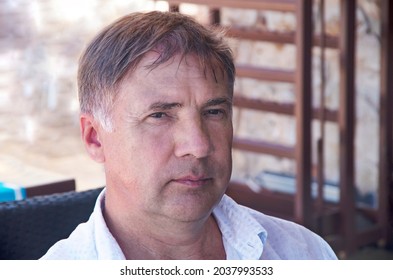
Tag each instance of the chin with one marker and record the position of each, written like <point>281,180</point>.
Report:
<point>195,210</point>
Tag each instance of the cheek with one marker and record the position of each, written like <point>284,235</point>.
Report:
<point>226,144</point>
<point>151,149</point>
<point>137,162</point>
<point>222,136</point>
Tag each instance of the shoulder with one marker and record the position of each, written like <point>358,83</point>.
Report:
<point>79,245</point>
<point>289,240</point>
<point>89,241</point>
<point>278,238</point>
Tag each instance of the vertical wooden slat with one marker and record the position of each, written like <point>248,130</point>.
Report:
<point>386,122</point>
<point>303,211</point>
<point>347,122</point>
<point>322,118</point>
<point>215,16</point>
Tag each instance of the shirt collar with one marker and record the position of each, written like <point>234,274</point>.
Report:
<point>107,247</point>
<point>243,236</point>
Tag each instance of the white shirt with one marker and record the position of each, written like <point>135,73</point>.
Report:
<point>247,234</point>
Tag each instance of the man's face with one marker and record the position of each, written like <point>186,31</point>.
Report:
<point>169,153</point>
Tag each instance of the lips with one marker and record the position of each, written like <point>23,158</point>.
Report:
<point>193,181</point>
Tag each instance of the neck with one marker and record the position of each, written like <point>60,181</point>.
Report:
<point>142,237</point>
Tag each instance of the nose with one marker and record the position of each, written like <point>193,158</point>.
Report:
<point>192,138</point>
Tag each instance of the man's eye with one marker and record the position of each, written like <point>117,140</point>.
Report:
<point>158,115</point>
<point>215,112</point>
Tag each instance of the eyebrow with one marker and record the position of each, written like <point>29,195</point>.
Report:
<point>219,101</point>
<point>165,106</point>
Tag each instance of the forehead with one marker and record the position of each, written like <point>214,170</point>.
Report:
<point>175,80</point>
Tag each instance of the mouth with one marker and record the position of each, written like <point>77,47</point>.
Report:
<point>193,181</point>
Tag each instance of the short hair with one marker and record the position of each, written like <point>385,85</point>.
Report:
<point>119,47</point>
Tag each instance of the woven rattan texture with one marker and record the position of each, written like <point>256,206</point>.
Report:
<point>28,228</point>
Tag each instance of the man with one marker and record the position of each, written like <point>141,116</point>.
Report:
<point>156,110</point>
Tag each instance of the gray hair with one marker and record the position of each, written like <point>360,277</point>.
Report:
<point>119,47</point>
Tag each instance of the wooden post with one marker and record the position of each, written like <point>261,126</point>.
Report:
<point>385,190</point>
<point>347,111</point>
<point>303,113</point>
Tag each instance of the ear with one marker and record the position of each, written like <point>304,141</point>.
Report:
<point>90,136</point>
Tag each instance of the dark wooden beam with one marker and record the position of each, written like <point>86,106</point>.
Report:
<point>303,207</point>
<point>284,108</point>
<point>276,5</point>
<point>250,33</point>
<point>265,74</point>
<point>347,110</point>
<point>263,147</point>
<point>385,190</point>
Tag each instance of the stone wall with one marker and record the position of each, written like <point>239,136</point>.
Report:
<point>40,42</point>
